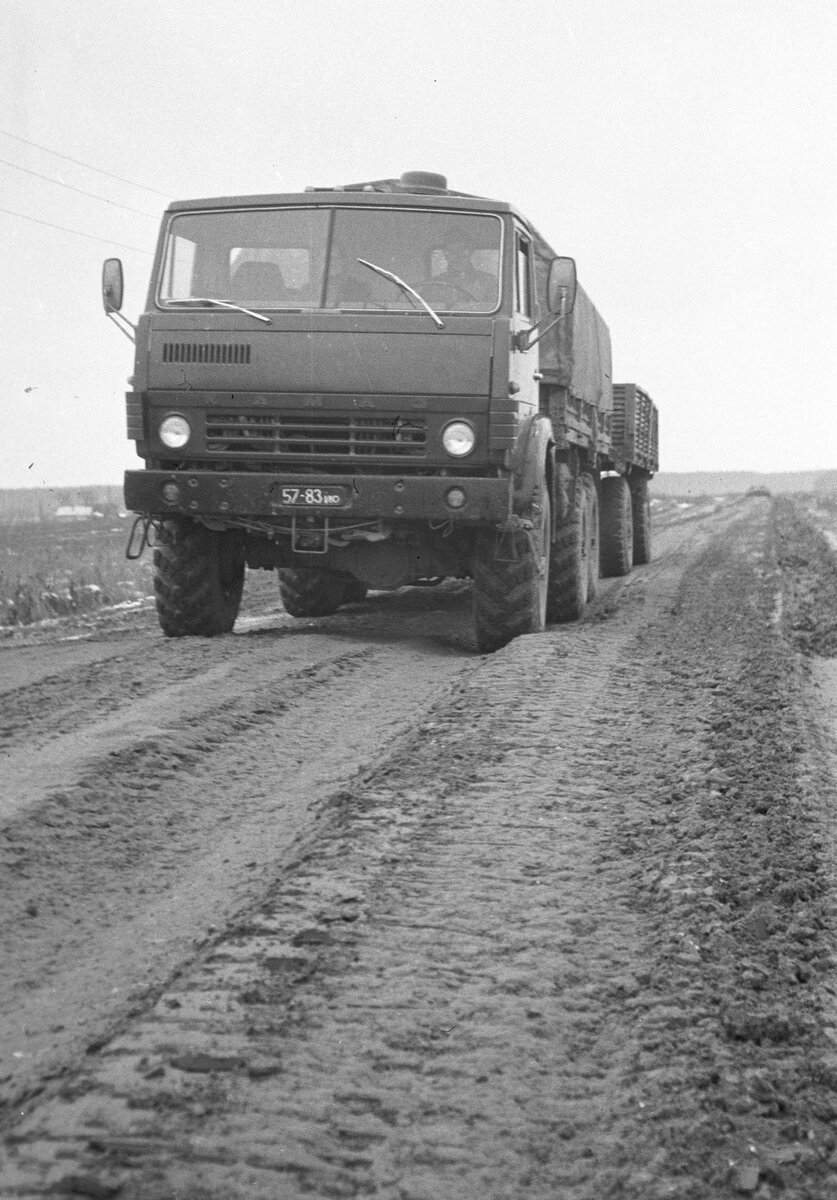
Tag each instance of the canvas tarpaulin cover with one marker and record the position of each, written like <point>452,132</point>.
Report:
<point>575,353</point>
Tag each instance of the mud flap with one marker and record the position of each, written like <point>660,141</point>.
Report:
<point>507,540</point>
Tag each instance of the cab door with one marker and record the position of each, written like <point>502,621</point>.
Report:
<point>524,373</point>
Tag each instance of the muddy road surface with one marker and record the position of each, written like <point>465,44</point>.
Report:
<point>339,908</point>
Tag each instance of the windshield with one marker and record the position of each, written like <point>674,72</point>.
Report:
<point>307,258</point>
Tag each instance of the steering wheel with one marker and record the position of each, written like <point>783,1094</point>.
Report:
<point>455,289</point>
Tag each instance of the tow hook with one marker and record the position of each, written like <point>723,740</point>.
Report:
<point>138,538</point>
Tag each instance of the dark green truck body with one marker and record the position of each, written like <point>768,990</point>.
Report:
<point>319,417</point>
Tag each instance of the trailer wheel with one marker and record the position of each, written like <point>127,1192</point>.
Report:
<point>308,593</point>
<point>198,579</point>
<point>569,563</point>
<point>641,504</point>
<point>511,578</point>
<point>617,534</point>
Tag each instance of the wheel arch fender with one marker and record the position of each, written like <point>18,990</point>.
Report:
<point>536,453</point>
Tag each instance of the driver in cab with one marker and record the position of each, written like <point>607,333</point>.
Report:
<point>461,285</point>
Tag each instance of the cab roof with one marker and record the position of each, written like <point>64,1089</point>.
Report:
<point>422,188</point>
<point>433,190</point>
<point>346,196</point>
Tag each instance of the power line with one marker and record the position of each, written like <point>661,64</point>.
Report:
<point>92,237</point>
<point>79,163</point>
<point>81,191</point>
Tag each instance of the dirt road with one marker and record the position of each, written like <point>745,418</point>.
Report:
<point>339,908</point>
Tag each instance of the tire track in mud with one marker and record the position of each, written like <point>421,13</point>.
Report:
<point>209,699</point>
<point>570,938</point>
<point>93,684</point>
<point>172,814</point>
<point>454,991</point>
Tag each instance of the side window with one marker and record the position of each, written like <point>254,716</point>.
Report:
<point>522,277</point>
<point>179,273</point>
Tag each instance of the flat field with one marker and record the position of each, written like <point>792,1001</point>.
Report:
<point>51,568</point>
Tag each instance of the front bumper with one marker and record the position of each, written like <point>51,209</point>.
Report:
<point>369,497</point>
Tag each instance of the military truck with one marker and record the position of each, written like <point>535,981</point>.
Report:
<point>375,385</point>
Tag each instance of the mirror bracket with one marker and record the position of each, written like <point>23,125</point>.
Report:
<point>561,291</point>
<point>525,339</point>
<point>122,324</point>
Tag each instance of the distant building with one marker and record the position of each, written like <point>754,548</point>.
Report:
<point>74,512</point>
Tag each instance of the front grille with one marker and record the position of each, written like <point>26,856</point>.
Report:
<point>307,436</point>
<point>206,352</point>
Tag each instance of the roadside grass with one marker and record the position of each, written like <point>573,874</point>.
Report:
<point>51,568</point>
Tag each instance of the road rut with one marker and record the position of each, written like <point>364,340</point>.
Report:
<point>554,922</point>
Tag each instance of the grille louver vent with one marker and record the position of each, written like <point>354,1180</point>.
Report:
<point>206,352</point>
<point>306,436</point>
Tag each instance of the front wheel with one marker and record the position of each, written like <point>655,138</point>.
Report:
<point>198,579</point>
<point>511,576</point>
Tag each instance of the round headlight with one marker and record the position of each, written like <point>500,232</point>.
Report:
<point>175,431</point>
<point>459,438</point>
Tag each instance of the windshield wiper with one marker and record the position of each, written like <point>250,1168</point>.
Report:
<point>405,287</point>
<point>221,304</point>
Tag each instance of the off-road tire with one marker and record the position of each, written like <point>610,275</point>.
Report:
<point>198,579</point>
<point>511,579</point>
<point>355,592</point>
<point>593,529</point>
<point>308,593</point>
<point>641,504</point>
<point>569,574</point>
<point>616,526</point>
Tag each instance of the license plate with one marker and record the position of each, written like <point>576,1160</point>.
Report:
<point>315,496</point>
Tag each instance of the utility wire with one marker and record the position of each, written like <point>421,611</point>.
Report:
<point>81,191</point>
<point>77,232</point>
<point>79,163</point>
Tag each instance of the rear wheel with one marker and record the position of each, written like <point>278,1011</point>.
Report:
<point>641,504</point>
<point>593,567</point>
<point>198,579</point>
<point>511,576</point>
<point>617,535</point>
<point>310,593</point>
<point>569,564</point>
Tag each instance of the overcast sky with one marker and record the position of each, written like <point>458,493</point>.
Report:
<point>683,151</point>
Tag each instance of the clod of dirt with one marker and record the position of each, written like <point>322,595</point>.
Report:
<point>745,1178</point>
<point>204,1063</point>
<point>743,1024</point>
<point>263,1068</point>
<point>311,937</point>
<point>86,1185</point>
<point>279,964</point>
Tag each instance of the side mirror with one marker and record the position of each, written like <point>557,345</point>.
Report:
<point>113,285</point>
<point>561,285</point>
